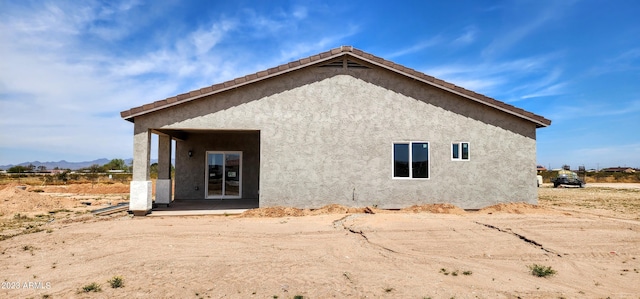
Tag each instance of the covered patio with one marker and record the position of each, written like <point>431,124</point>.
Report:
<point>216,172</point>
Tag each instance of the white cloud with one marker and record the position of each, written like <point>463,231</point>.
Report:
<point>529,64</point>
<point>300,12</point>
<point>591,110</point>
<point>468,37</point>
<point>63,93</point>
<point>114,20</point>
<point>205,40</point>
<point>532,21</point>
<point>415,48</point>
<point>275,23</point>
<point>299,49</point>
<point>186,57</point>
<point>628,60</point>
<point>551,90</point>
<point>510,80</point>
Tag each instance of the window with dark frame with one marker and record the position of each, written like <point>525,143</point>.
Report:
<point>411,160</point>
<point>460,151</point>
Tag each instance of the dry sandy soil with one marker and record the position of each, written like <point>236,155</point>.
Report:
<point>590,236</point>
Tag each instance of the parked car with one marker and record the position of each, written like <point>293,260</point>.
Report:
<point>567,177</point>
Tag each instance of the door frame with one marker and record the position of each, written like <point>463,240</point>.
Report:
<point>224,160</point>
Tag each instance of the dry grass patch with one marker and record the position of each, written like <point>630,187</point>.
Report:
<point>625,203</point>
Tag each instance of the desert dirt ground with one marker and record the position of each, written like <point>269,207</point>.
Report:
<point>51,247</point>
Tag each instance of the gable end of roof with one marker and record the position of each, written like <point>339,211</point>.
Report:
<point>326,56</point>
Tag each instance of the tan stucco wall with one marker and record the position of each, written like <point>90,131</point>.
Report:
<point>326,136</point>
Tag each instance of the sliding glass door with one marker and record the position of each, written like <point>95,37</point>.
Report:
<point>224,175</point>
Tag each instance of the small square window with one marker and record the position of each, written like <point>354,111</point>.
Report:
<point>411,160</point>
<point>460,151</point>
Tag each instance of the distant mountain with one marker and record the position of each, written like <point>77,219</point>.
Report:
<point>65,165</point>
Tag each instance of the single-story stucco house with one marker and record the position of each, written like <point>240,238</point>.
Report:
<point>343,127</point>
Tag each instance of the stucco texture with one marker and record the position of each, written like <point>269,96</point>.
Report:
<point>326,136</point>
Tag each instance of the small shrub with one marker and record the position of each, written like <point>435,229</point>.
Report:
<point>467,273</point>
<point>116,282</point>
<point>298,297</point>
<point>541,271</point>
<point>92,287</point>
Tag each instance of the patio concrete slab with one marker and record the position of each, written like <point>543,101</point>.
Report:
<point>196,212</point>
<point>205,207</point>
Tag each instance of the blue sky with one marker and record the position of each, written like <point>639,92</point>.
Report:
<point>69,67</point>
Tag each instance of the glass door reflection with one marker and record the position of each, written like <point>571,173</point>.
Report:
<point>224,171</point>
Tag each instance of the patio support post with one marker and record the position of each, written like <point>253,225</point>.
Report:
<point>163,184</point>
<point>140,201</point>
